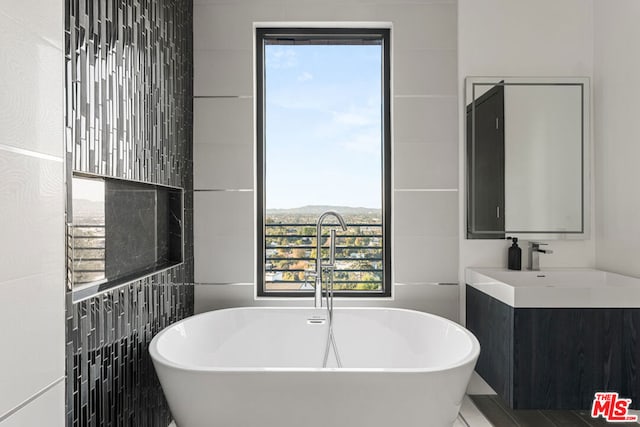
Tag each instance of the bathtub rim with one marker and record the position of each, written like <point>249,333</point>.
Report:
<point>471,356</point>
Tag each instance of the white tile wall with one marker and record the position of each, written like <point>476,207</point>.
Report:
<point>523,38</point>
<point>235,220</point>
<point>33,357</point>
<point>422,24</point>
<point>30,87</point>
<point>430,119</point>
<point>223,72</point>
<point>230,25</point>
<point>616,139</point>
<point>425,213</point>
<point>425,128</point>
<point>425,165</point>
<point>219,166</point>
<point>425,233</point>
<point>45,410</point>
<point>230,259</point>
<point>426,297</point>
<point>420,259</point>
<point>39,17</point>
<point>32,216</point>
<point>32,264</point>
<point>223,143</point>
<point>425,71</point>
<point>328,11</point>
<point>223,121</point>
<point>224,237</point>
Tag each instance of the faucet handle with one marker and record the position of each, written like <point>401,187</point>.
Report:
<point>309,276</point>
<point>535,247</point>
<point>533,244</point>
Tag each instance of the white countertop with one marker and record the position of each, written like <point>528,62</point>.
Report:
<point>556,288</point>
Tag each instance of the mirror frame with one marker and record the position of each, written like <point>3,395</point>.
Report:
<point>587,157</point>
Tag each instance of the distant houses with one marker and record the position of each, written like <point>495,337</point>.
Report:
<point>271,276</point>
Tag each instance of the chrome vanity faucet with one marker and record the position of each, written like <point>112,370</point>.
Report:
<point>332,253</point>
<point>534,255</point>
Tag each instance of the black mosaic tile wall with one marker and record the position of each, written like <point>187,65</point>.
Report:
<point>110,377</point>
<point>129,115</point>
<point>129,83</point>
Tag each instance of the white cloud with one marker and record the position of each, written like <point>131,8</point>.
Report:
<point>304,77</point>
<point>352,118</point>
<point>280,57</point>
<point>357,116</point>
<point>369,143</point>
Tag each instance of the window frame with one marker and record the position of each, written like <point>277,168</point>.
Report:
<point>271,33</point>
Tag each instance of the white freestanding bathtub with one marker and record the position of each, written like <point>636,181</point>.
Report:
<point>262,367</point>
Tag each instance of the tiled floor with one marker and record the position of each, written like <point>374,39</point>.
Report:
<point>499,415</point>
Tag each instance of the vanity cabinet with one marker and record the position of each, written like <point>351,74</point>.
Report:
<point>555,358</point>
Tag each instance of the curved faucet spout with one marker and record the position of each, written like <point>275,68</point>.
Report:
<point>319,265</point>
<point>333,214</point>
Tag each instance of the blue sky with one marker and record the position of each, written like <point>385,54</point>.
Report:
<point>323,126</point>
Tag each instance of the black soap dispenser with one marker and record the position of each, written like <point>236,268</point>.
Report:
<point>515,255</point>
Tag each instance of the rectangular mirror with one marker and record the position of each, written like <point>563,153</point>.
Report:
<point>526,148</point>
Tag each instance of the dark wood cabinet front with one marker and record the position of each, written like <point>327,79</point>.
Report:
<point>555,358</point>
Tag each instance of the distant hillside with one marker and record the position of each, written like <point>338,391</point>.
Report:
<point>84,209</point>
<point>318,209</point>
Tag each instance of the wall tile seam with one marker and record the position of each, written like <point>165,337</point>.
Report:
<point>426,190</point>
<point>396,95</point>
<point>421,96</point>
<point>236,143</point>
<point>30,153</point>
<point>223,96</point>
<point>395,49</point>
<point>60,274</point>
<point>425,142</point>
<point>426,49</point>
<point>397,189</point>
<point>235,50</point>
<point>220,97</point>
<point>336,2</point>
<point>416,47</point>
<point>223,190</point>
<point>31,399</point>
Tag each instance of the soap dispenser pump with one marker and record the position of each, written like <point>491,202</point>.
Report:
<point>515,255</point>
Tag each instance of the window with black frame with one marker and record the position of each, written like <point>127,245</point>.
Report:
<point>323,143</point>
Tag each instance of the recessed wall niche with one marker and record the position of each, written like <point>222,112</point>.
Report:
<point>121,230</point>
